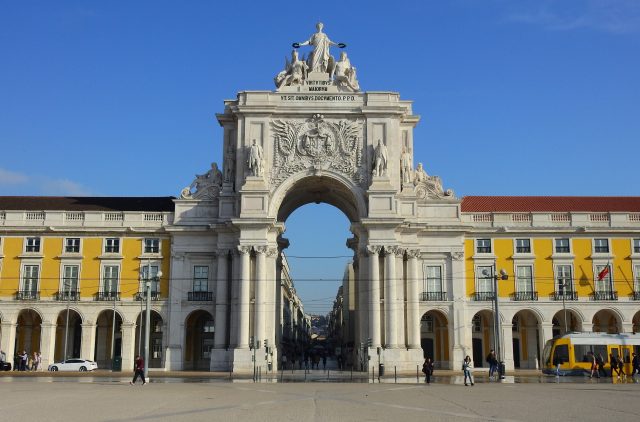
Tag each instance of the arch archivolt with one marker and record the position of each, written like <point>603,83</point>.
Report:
<point>613,310</point>
<point>487,310</point>
<point>314,185</point>
<point>539,315</point>
<point>442,310</point>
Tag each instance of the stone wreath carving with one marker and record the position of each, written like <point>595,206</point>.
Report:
<point>317,144</point>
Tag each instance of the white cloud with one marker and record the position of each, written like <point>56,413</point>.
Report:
<point>8,177</point>
<point>613,16</point>
<point>62,187</point>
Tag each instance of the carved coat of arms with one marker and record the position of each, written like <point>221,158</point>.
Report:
<point>317,144</point>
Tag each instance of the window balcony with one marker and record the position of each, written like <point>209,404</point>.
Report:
<point>564,296</point>
<point>103,296</point>
<point>636,295</point>
<point>27,295</point>
<point>155,295</point>
<point>433,296</point>
<point>68,295</point>
<point>200,296</point>
<point>523,296</point>
<point>483,296</point>
<point>605,295</point>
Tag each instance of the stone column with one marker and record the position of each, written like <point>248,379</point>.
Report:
<point>271,304</point>
<point>87,345</point>
<point>222,283</point>
<point>129,345</point>
<point>179,282</point>
<point>413,304</point>
<point>242,306</point>
<point>390,298</point>
<point>363,312</point>
<point>546,334</point>
<point>8,342</point>
<point>507,344</point>
<point>47,343</point>
<point>460,335</point>
<point>374,294</point>
<point>401,338</point>
<point>260,295</point>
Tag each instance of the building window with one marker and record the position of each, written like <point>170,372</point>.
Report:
<point>434,279</point>
<point>483,246</point>
<point>562,246</point>
<point>150,272</point>
<point>636,245</point>
<point>563,278</point>
<point>112,245</point>
<point>110,280</point>
<point>427,323</point>
<point>32,245</point>
<point>603,278</point>
<point>70,278</point>
<point>151,245</point>
<point>636,280</point>
<point>30,278</point>
<point>524,278</point>
<point>72,245</point>
<point>476,323</point>
<point>485,279</point>
<point>200,278</point>
<point>523,245</point>
<point>601,245</point>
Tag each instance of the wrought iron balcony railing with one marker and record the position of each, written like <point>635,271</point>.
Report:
<point>27,295</point>
<point>143,295</point>
<point>518,296</point>
<point>433,296</point>
<point>605,295</point>
<point>483,296</point>
<point>564,296</point>
<point>101,296</point>
<point>68,295</point>
<point>200,296</point>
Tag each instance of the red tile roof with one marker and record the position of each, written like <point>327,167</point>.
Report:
<point>86,203</point>
<point>551,203</point>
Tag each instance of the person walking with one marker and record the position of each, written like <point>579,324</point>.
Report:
<point>621,367</point>
<point>324,362</point>
<point>34,361</point>
<point>492,360</point>
<point>284,361</point>
<point>614,365</point>
<point>138,371</point>
<point>600,362</point>
<point>594,366</point>
<point>635,365</point>
<point>24,357</point>
<point>427,370</point>
<point>466,369</point>
<point>557,361</point>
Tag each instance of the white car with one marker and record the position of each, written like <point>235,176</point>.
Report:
<point>81,365</point>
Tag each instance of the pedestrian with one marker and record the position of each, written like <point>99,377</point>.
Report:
<point>427,370</point>
<point>594,365</point>
<point>614,365</point>
<point>138,370</point>
<point>24,357</point>
<point>621,367</point>
<point>284,361</point>
<point>492,360</point>
<point>635,365</point>
<point>466,369</point>
<point>324,362</point>
<point>39,361</point>
<point>557,361</point>
<point>34,361</point>
<point>600,362</point>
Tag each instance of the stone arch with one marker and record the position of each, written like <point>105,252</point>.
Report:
<point>318,186</point>
<point>29,330</point>
<point>608,320</point>
<point>636,322</point>
<point>72,337</point>
<point>106,335</point>
<point>434,336</point>
<point>525,334</point>
<point>575,322</point>
<point>156,337</point>
<point>482,335</point>
<point>199,337</point>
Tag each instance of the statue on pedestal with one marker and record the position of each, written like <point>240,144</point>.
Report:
<point>207,185</point>
<point>254,161</point>
<point>380,158</point>
<point>320,60</point>
<point>294,73</point>
<point>345,74</point>
<point>406,167</point>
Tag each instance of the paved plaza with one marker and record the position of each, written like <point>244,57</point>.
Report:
<point>113,399</point>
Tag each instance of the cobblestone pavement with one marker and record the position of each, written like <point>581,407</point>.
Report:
<point>115,400</point>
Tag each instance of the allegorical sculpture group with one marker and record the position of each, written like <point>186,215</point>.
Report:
<point>320,61</point>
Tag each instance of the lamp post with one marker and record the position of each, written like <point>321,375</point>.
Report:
<point>148,281</point>
<point>503,276</point>
<point>562,287</point>
<point>66,329</point>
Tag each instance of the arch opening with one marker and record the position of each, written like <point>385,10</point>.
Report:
<point>108,343</point>
<point>28,333</point>
<point>434,337</point>
<point>199,337</point>
<point>72,337</point>
<point>156,331</point>
<point>525,328</point>
<point>606,321</point>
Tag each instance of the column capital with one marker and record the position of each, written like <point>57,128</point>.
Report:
<point>272,251</point>
<point>372,249</point>
<point>457,255</point>
<point>390,250</point>
<point>261,249</point>
<point>243,250</point>
<point>413,253</point>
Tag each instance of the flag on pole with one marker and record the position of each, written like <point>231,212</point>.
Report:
<point>602,274</point>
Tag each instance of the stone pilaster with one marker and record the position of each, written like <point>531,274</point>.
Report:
<point>47,343</point>
<point>413,304</point>
<point>88,341</point>
<point>8,340</point>
<point>260,288</point>
<point>222,284</point>
<point>242,305</point>
<point>374,294</point>
<point>460,336</point>
<point>401,338</point>
<point>129,345</point>
<point>390,298</point>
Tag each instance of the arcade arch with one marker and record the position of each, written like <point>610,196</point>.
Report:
<point>73,336</point>
<point>28,331</point>
<point>108,344</point>
<point>156,335</point>
<point>199,340</point>
<point>525,327</point>
<point>434,337</point>
<point>607,321</point>
<point>573,322</point>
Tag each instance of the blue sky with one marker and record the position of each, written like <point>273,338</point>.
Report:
<point>516,97</point>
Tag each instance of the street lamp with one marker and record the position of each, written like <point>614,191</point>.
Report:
<point>148,281</point>
<point>496,320</point>
<point>67,286</point>
<point>562,285</point>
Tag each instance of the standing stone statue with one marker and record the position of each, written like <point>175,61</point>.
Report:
<point>380,158</point>
<point>320,60</point>
<point>406,166</point>
<point>255,159</point>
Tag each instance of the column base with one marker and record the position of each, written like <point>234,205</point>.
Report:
<point>173,358</point>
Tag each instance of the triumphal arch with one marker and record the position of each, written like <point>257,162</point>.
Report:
<point>316,138</point>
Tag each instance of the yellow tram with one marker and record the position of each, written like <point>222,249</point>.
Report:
<point>574,349</point>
